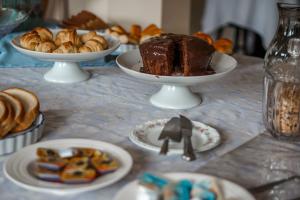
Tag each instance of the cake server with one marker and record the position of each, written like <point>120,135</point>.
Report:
<point>171,131</point>
<point>186,131</point>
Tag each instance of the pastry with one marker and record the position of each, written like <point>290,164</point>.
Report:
<point>87,36</point>
<point>223,45</point>
<point>44,33</point>
<point>118,29</point>
<point>101,39</point>
<point>94,45</point>
<point>104,164</point>
<point>51,163</point>
<point>66,47</point>
<point>85,20</point>
<point>150,31</point>
<point>78,176</point>
<point>176,54</point>
<point>67,35</point>
<point>30,104</point>
<point>204,37</point>
<point>46,174</point>
<point>135,31</point>
<point>84,49</point>
<point>30,40</point>
<point>46,46</point>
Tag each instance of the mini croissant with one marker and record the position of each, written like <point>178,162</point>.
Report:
<point>30,40</point>
<point>67,35</point>
<point>44,33</point>
<point>66,47</point>
<point>46,46</point>
<point>94,45</point>
<point>84,49</point>
<point>85,37</point>
<point>102,40</point>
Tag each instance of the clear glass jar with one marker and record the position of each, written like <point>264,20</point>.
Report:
<point>281,100</point>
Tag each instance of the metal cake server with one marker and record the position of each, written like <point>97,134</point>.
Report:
<point>186,131</point>
<point>170,131</point>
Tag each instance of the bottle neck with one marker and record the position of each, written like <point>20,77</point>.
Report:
<point>289,21</point>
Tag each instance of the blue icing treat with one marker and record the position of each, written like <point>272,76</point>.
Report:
<point>201,190</point>
<point>183,189</point>
<point>156,180</point>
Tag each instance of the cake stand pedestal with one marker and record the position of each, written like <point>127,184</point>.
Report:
<point>66,72</point>
<point>175,92</point>
<point>175,97</point>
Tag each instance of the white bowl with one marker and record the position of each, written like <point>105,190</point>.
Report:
<point>16,141</point>
<point>175,93</point>
<point>66,68</point>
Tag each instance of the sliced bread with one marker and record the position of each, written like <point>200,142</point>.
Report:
<point>30,104</point>
<point>3,110</point>
<point>16,104</point>
<point>7,124</point>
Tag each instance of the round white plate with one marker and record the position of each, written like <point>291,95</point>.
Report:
<point>231,190</point>
<point>175,93</point>
<point>16,167</point>
<point>146,136</point>
<point>66,68</point>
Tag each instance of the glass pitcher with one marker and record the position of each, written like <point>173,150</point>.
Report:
<point>281,100</point>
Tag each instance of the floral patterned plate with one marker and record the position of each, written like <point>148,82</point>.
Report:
<point>146,136</point>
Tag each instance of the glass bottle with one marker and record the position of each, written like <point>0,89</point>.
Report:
<point>281,100</point>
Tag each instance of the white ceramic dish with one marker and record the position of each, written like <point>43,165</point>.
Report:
<point>231,190</point>
<point>14,142</point>
<point>66,68</point>
<point>146,136</point>
<point>16,167</point>
<point>175,93</point>
<point>126,47</point>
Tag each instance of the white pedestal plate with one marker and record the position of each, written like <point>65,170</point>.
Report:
<point>175,92</point>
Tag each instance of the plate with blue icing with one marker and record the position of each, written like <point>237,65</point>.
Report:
<point>228,189</point>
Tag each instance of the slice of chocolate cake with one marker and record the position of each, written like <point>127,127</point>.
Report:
<point>195,55</point>
<point>173,54</point>
<point>158,56</point>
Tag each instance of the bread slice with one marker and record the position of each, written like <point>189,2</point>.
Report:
<point>3,110</point>
<point>16,104</point>
<point>7,124</point>
<point>30,104</point>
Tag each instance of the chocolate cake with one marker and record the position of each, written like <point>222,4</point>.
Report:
<point>172,54</point>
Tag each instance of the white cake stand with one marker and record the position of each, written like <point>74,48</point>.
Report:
<point>66,66</point>
<point>175,93</point>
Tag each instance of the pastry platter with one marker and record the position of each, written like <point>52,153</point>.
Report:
<point>66,67</point>
<point>175,92</point>
<point>17,167</point>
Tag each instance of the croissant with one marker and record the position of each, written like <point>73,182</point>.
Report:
<point>223,45</point>
<point>46,46</point>
<point>84,49</point>
<point>102,40</point>
<point>204,37</point>
<point>30,40</point>
<point>67,35</point>
<point>85,37</point>
<point>119,29</point>
<point>66,47</point>
<point>135,31</point>
<point>94,45</point>
<point>44,33</point>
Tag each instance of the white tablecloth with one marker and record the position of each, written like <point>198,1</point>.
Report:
<point>111,104</point>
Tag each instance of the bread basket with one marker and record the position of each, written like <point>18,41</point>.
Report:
<point>16,141</point>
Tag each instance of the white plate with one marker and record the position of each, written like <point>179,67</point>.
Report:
<point>66,68</point>
<point>146,136</point>
<point>16,167</point>
<point>174,93</point>
<point>231,190</point>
